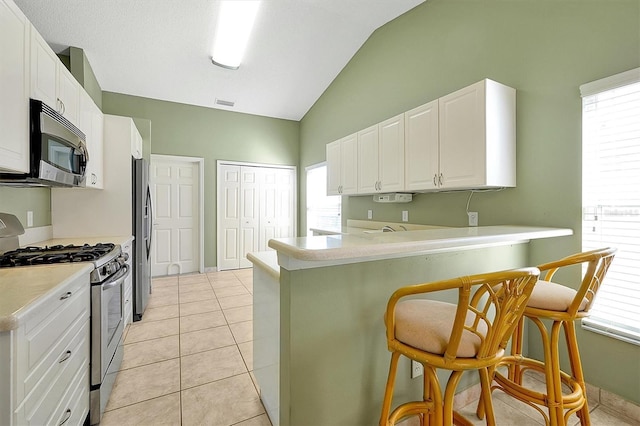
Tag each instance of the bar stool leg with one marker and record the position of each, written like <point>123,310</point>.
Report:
<point>552,372</point>
<point>576,369</point>
<point>388,393</point>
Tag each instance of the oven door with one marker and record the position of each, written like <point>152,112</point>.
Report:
<point>107,322</point>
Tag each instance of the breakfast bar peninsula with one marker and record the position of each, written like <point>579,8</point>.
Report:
<point>320,355</point>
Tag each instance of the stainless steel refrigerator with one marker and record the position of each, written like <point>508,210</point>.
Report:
<point>142,231</point>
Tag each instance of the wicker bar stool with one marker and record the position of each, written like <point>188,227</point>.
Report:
<point>469,335</point>
<point>562,305</point>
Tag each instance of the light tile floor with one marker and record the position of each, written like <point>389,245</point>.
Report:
<point>190,362</point>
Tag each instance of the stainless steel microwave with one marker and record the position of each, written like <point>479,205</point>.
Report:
<point>57,151</point>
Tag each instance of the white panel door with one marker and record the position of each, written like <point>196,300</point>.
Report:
<point>228,217</point>
<point>285,220</point>
<point>175,191</point>
<point>268,207</point>
<point>255,204</point>
<point>249,213</point>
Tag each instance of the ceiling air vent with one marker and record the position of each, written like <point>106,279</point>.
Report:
<point>224,103</point>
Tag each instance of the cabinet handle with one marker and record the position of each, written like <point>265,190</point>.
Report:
<point>65,296</point>
<point>61,108</point>
<point>440,179</point>
<point>435,182</point>
<point>64,357</point>
<point>66,417</point>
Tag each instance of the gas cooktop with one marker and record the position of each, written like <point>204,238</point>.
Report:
<point>56,254</point>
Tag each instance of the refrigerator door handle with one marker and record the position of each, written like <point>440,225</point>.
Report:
<point>149,223</point>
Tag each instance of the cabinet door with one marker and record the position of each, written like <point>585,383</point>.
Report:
<point>391,154</point>
<point>462,138</point>
<point>14,86</point>
<point>349,164</point>
<point>97,136</point>
<point>333,168</point>
<point>44,68</point>
<point>68,94</point>
<point>91,123</point>
<point>421,147</point>
<point>368,159</point>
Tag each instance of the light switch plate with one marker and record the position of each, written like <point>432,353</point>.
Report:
<point>29,219</point>
<point>405,215</point>
<point>369,214</point>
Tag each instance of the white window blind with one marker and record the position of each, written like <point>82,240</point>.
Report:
<point>611,198</point>
<point>323,211</point>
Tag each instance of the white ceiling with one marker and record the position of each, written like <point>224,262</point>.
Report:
<point>161,48</point>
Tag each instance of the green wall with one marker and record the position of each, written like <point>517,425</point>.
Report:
<point>544,49</point>
<point>18,201</point>
<point>192,131</point>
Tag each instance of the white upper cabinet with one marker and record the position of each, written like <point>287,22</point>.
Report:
<point>92,124</point>
<point>391,145</point>
<point>51,81</point>
<point>381,157</point>
<point>421,147</point>
<point>477,137</point>
<point>368,159</point>
<point>14,87</point>
<point>136,143</point>
<point>464,140</point>
<point>342,166</point>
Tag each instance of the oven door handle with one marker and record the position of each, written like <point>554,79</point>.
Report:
<point>116,279</point>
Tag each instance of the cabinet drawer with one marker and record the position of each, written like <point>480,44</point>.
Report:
<point>42,334</point>
<point>73,343</point>
<point>52,395</point>
<point>74,409</point>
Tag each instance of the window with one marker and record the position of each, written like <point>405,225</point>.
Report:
<point>611,198</point>
<point>323,211</point>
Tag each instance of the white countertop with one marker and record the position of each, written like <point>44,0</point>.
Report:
<point>312,252</point>
<point>23,286</point>
<point>267,260</point>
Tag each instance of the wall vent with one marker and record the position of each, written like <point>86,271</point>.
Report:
<point>224,103</point>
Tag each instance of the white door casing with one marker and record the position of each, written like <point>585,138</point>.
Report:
<point>177,195</point>
<point>255,203</point>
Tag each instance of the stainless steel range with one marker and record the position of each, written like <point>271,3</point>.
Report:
<point>107,304</point>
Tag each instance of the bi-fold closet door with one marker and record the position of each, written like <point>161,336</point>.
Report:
<point>255,204</point>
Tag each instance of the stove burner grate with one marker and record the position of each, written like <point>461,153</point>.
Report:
<point>54,254</point>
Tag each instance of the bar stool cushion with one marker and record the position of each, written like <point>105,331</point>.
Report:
<point>427,324</point>
<point>553,297</point>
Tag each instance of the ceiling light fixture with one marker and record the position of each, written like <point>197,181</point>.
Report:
<point>235,22</point>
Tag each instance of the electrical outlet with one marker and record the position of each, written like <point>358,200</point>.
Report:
<point>405,215</point>
<point>473,218</point>
<point>369,214</point>
<point>417,369</point>
<point>29,219</point>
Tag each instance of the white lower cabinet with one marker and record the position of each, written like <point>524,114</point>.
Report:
<point>44,368</point>
<point>128,284</point>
